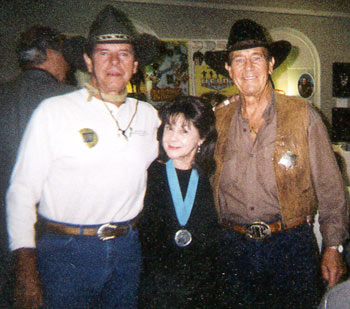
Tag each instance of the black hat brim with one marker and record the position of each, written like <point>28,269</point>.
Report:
<point>217,59</point>
<point>146,47</point>
<point>280,51</point>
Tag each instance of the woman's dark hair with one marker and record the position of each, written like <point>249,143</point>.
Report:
<point>202,117</point>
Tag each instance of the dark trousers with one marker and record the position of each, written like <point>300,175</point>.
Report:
<point>279,272</point>
<point>85,272</point>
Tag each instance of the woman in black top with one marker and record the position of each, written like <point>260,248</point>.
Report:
<point>181,247</point>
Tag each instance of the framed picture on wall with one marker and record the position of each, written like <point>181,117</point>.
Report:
<point>306,85</point>
<point>341,80</point>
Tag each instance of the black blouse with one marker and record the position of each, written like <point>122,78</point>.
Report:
<point>171,274</point>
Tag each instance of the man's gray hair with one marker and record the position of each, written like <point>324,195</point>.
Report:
<point>33,43</point>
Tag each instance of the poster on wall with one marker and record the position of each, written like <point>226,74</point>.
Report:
<point>168,75</point>
<point>205,79</point>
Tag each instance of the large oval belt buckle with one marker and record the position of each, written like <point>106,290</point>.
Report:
<point>258,230</point>
<point>106,231</point>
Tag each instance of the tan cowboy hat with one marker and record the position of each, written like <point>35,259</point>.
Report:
<point>246,34</point>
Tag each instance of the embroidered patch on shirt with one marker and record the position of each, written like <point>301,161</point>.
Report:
<point>89,137</point>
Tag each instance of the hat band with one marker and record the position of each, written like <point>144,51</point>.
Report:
<point>112,37</point>
<point>247,44</point>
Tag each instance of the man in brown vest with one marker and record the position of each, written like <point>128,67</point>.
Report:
<point>275,165</point>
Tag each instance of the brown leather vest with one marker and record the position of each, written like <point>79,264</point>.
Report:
<point>296,195</point>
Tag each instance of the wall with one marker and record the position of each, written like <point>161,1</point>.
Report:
<point>186,19</point>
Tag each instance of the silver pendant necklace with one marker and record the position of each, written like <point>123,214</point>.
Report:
<point>123,131</point>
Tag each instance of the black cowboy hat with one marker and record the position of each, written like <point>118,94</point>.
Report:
<point>246,34</point>
<point>112,26</point>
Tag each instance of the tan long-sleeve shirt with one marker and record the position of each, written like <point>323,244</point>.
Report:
<point>248,190</point>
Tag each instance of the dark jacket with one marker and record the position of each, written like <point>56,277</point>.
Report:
<point>18,99</point>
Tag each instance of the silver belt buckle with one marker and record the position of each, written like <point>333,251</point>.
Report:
<point>258,230</point>
<point>106,231</point>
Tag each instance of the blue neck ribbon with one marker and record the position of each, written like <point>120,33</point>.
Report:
<point>182,208</point>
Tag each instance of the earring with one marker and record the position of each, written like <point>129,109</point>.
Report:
<point>199,149</point>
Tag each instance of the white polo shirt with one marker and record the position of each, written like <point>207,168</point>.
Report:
<point>75,163</point>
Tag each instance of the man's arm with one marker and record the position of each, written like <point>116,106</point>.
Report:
<point>30,171</point>
<point>28,291</point>
<point>330,191</point>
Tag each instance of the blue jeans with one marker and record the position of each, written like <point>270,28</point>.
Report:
<point>85,272</point>
<point>279,272</point>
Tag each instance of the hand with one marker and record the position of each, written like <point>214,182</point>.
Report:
<point>332,266</point>
<point>28,291</point>
<point>234,98</point>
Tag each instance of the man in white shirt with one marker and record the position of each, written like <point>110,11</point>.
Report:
<point>83,161</point>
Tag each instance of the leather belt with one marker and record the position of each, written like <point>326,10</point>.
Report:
<point>259,230</point>
<point>103,232</point>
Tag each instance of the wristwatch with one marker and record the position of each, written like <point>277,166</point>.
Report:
<point>339,248</point>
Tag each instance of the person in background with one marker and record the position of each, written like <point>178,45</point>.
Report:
<point>39,54</point>
<point>83,160</point>
<point>275,164</point>
<point>179,229</point>
<point>73,52</point>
